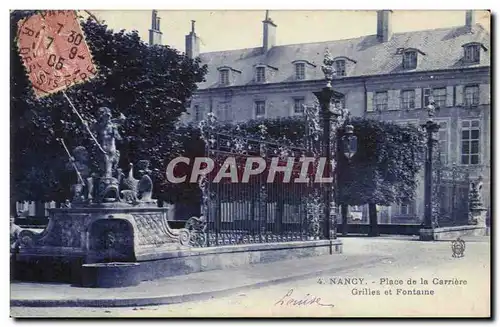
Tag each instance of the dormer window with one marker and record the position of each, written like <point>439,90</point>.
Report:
<point>260,74</point>
<point>410,59</point>
<point>300,71</point>
<point>227,75</point>
<point>340,67</point>
<point>224,76</point>
<point>472,53</point>
<point>303,69</point>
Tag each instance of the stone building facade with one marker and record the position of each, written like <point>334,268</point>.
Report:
<point>387,76</point>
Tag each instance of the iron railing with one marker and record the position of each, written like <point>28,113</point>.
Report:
<point>260,210</point>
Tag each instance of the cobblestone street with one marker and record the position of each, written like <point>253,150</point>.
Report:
<point>357,292</point>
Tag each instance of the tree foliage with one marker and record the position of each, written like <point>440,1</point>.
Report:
<point>386,166</point>
<point>150,85</point>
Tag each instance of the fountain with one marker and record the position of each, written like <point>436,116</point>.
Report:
<point>111,225</point>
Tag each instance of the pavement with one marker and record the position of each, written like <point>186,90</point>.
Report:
<point>359,254</point>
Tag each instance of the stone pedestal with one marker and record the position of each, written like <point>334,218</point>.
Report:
<point>477,217</point>
<point>114,232</point>
<point>451,233</point>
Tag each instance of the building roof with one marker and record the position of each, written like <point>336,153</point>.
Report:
<point>438,49</point>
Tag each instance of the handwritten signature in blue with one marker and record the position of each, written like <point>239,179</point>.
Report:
<point>306,300</point>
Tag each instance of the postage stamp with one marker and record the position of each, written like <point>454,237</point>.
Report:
<point>274,163</point>
<point>54,51</point>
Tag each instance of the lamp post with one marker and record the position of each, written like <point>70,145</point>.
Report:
<point>349,148</point>
<point>430,127</point>
<point>325,97</point>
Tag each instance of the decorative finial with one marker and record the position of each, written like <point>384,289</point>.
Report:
<point>432,107</point>
<point>328,68</point>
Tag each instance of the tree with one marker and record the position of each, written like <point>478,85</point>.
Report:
<point>385,169</point>
<point>150,85</point>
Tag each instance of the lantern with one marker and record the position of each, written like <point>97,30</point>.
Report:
<point>349,142</point>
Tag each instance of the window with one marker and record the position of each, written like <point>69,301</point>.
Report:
<point>260,109</point>
<point>197,113</point>
<point>471,95</point>
<point>298,106</point>
<point>404,209</point>
<point>439,96</point>
<point>408,99</point>
<point>407,208</point>
<point>261,74</point>
<point>410,122</point>
<point>340,67</point>
<point>338,103</point>
<point>224,76</point>
<point>224,111</point>
<point>442,138</point>
<point>470,142</point>
<point>410,60</point>
<point>300,71</point>
<point>381,99</point>
<point>426,95</point>
<point>472,53</point>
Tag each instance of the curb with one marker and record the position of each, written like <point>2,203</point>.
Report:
<point>174,299</point>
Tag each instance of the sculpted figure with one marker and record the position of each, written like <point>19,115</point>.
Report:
<point>15,230</point>
<point>145,185</point>
<point>79,162</point>
<point>107,135</point>
<point>128,186</point>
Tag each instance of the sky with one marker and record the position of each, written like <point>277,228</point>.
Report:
<point>235,29</point>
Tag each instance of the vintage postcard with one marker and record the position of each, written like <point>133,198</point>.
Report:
<point>259,163</point>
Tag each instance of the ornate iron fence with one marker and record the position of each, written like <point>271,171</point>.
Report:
<point>451,185</point>
<point>257,211</point>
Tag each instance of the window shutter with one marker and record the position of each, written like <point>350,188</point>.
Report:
<point>394,99</point>
<point>484,94</point>
<point>369,101</point>
<point>459,95</point>
<point>449,96</point>
<point>418,98</point>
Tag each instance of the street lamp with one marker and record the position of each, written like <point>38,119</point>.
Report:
<point>331,115</point>
<point>430,127</point>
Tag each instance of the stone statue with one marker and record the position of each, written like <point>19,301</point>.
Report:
<point>476,207</point>
<point>82,190</point>
<point>128,187</point>
<point>15,230</point>
<point>432,108</point>
<point>475,200</point>
<point>145,186</point>
<point>107,135</point>
<point>66,204</point>
<point>129,182</point>
<point>197,231</point>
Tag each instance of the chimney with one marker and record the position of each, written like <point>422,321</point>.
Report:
<point>192,43</point>
<point>384,26</point>
<point>269,36</point>
<point>154,31</point>
<point>469,20</point>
